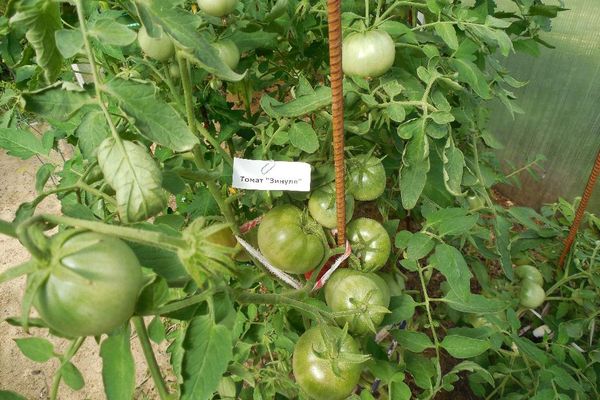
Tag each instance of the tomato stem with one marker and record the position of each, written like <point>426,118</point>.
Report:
<point>159,383</point>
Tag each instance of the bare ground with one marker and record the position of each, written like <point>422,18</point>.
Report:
<point>18,373</point>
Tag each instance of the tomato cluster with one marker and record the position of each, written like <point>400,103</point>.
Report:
<point>531,293</point>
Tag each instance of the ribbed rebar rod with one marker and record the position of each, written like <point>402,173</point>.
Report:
<point>337,110</point>
<point>587,193</point>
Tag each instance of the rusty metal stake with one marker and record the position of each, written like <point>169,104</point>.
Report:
<point>337,110</point>
<point>587,193</point>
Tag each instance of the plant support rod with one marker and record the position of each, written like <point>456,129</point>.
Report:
<point>585,198</point>
<point>337,110</point>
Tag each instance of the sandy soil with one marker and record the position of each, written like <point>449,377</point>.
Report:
<point>18,373</point>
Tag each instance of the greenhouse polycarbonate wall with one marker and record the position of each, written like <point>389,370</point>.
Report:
<point>562,110</point>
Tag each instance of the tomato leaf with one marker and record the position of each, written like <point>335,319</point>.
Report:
<point>42,19</point>
<point>42,175</point>
<point>464,347</point>
<point>155,119</point>
<point>109,31</point>
<point>416,342</point>
<point>118,367</point>
<point>69,42</point>
<point>72,376</point>
<point>136,178</point>
<point>450,262</point>
<point>469,73</point>
<point>474,303</point>
<point>454,163</point>
<point>7,395</point>
<point>300,106</point>
<point>419,245</point>
<point>412,182</point>
<point>36,349</point>
<point>421,368</point>
<point>448,34</point>
<point>208,350</point>
<point>58,102</point>
<point>21,143</point>
<point>304,137</point>
<point>91,132</point>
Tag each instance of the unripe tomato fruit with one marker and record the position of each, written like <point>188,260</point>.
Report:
<point>368,54</point>
<point>174,71</point>
<point>160,49</point>
<point>475,202</point>
<point>370,242</point>
<point>532,295</point>
<point>350,290</point>
<point>316,375</point>
<point>228,52</point>
<point>93,285</point>
<point>291,240</point>
<point>524,272</point>
<point>367,177</point>
<point>217,8</point>
<point>322,208</point>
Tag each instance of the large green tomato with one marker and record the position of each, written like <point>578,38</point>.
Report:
<point>313,364</point>
<point>322,208</point>
<point>524,272</point>
<point>291,240</point>
<point>370,242</point>
<point>160,49</point>
<point>367,177</point>
<point>368,54</point>
<point>93,285</point>
<point>228,52</point>
<point>532,295</point>
<point>217,8</point>
<point>366,294</point>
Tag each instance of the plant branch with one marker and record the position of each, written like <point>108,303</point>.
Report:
<point>159,383</point>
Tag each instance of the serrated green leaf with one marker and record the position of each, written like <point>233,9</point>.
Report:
<point>416,342</point>
<point>454,163</point>
<point>412,182</point>
<point>447,33</point>
<point>8,395</point>
<point>464,347</point>
<point>69,42</point>
<point>402,309</point>
<point>208,350</point>
<point>410,129</point>
<point>155,119</point>
<point>111,32</point>
<point>303,137</point>
<point>91,132</point>
<point>421,368</point>
<point>471,74</point>
<point>118,367</point>
<point>136,178</point>
<point>58,102</point>
<point>21,143</point>
<point>42,175</point>
<point>419,245</point>
<point>71,376</point>
<point>474,303</point>
<point>36,349</point>
<point>298,107</point>
<point>42,19</point>
<point>451,263</point>
<point>442,117</point>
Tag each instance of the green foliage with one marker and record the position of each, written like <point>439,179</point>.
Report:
<point>152,163</point>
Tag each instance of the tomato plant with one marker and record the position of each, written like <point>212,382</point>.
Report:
<point>92,287</point>
<point>362,297</point>
<point>370,244</point>
<point>322,366</point>
<point>151,131</point>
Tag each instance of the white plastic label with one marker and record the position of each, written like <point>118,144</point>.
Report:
<point>271,175</point>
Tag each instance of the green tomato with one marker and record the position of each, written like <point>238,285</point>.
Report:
<point>217,8</point>
<point>228,52</point>
<point>370,242</point>
<point>322,208</point>
<point>475,202</point>
<point>174,71</point>
<point>93,285</point>
<point>529,272</point>
<point>368,54</point>
<point>291,240</point>
<point>160,49</point>
<point>322,373</point>
<point>366,294</point>
<point>367,177</point>
<point>531,295</point>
